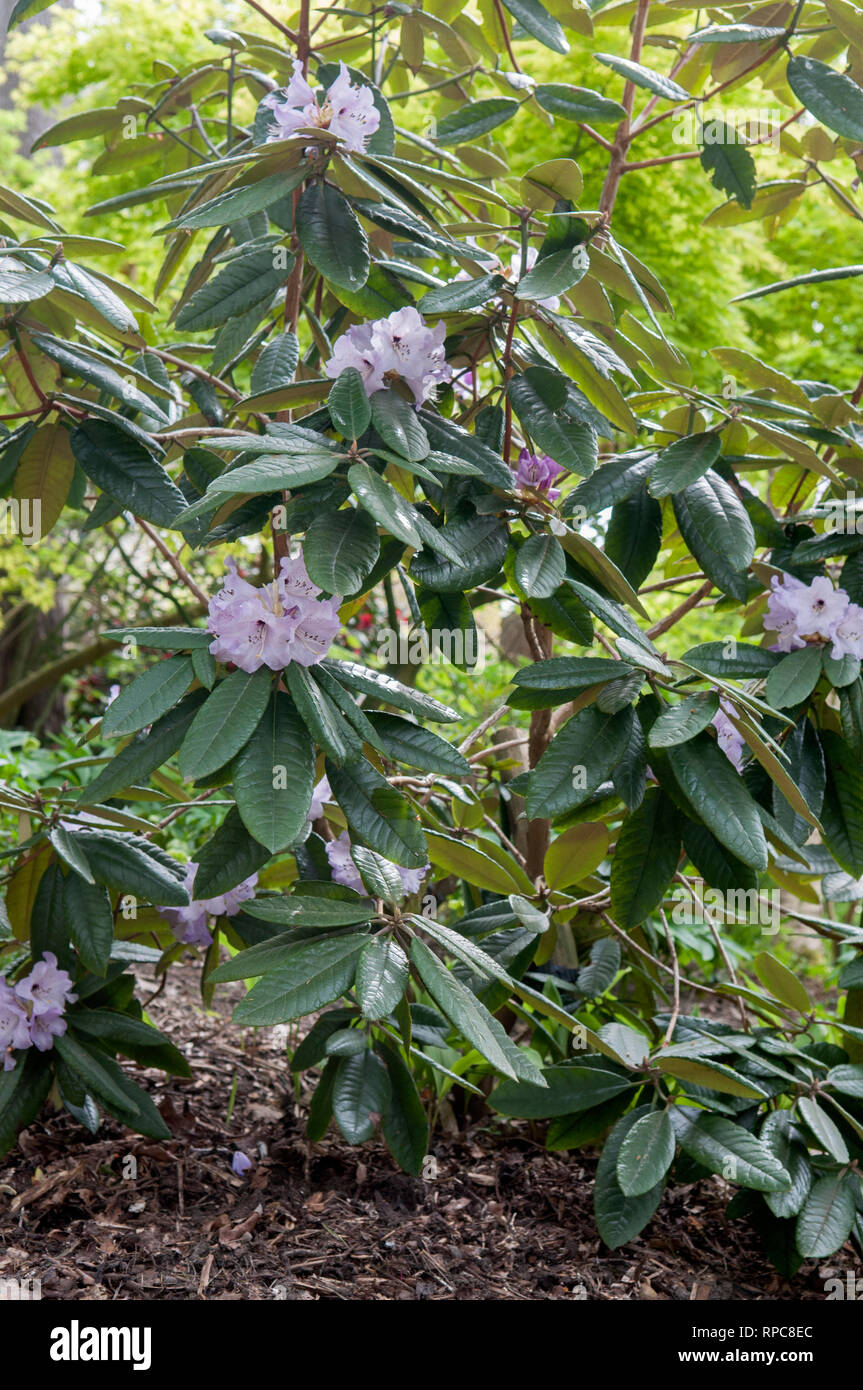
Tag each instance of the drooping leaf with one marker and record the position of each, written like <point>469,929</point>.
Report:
<point>619,1218</point>
<point>378,814</point>
<point>646,1153</point>
<point>834,98</point>
<point>225,722</point>
<point>274,776</point>
<point>645,859</point>
<point>331,236</point>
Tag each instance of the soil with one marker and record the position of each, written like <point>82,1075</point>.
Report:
<point>114,1216</point>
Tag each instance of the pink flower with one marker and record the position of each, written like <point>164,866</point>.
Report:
<point>347,111</point>
<point>355,349</point>
<point>729,739</point>
<point>48,989</point>
<point>273,625</point>
<point>553,301</point>
<point>44,1028</point>
<point>848,634</point>
<point>354,115</point>
<point>820,607</point>
<point>400,345</point>
<point>782,614</point>
<point>321,794</point>
<point>538,472</point>
<point>190,924</point>
<point>14,1029</point>
<point>345,871</point>
<point>801,614</point>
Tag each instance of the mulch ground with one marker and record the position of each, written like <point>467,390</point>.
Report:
<point>114,1216</point>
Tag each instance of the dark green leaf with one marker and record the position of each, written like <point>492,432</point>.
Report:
<point>646,1153</point>
<point>314,975</point>
<point>274,776</point>
<point>89,921</point>
<point>681,463</point>
<point>225,722</point>
<point>720,797</point>
<point>331,236</point>
<point>125,471</point>
<point>378,814</point>
<point>729,162</point>
<point>620,1218</point>
<point>579,758</point>
<point>245,282</point>
<point>227,858</point>
<point>834,99</point>
<point>474,119</point>
<point>645,859</point>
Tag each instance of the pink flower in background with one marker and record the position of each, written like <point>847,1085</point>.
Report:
<point>400,345</point>
<point>321,793</point>
<point>782,615</point>
<point>553,301</point>
<point>46,990</point>
<point>538,471</point>
<point>44,1028</point>
<point>801,614</point>
<point>848,634</point>
<point>275,624</point>
<point>347,110</point>
<point>190,924</point>
<point>345,871</point>
<point>729,739</point>
<point>14,1025</point>
<point>342,866</point>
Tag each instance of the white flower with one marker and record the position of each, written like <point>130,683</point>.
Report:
<point>347,110</point>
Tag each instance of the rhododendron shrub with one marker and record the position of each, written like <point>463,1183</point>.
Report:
<point>389,368</point>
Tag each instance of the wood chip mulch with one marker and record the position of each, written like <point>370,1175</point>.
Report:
<point>114,1216</point>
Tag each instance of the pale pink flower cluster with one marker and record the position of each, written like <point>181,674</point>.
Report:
<point>273,625</point>
<point>345,871</point>
<point>190,924</point>
<point>401,345</point>
<point>730,740</point>
<point>801,614</point>
<point>31,1011</point>
<point>346,110</point>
